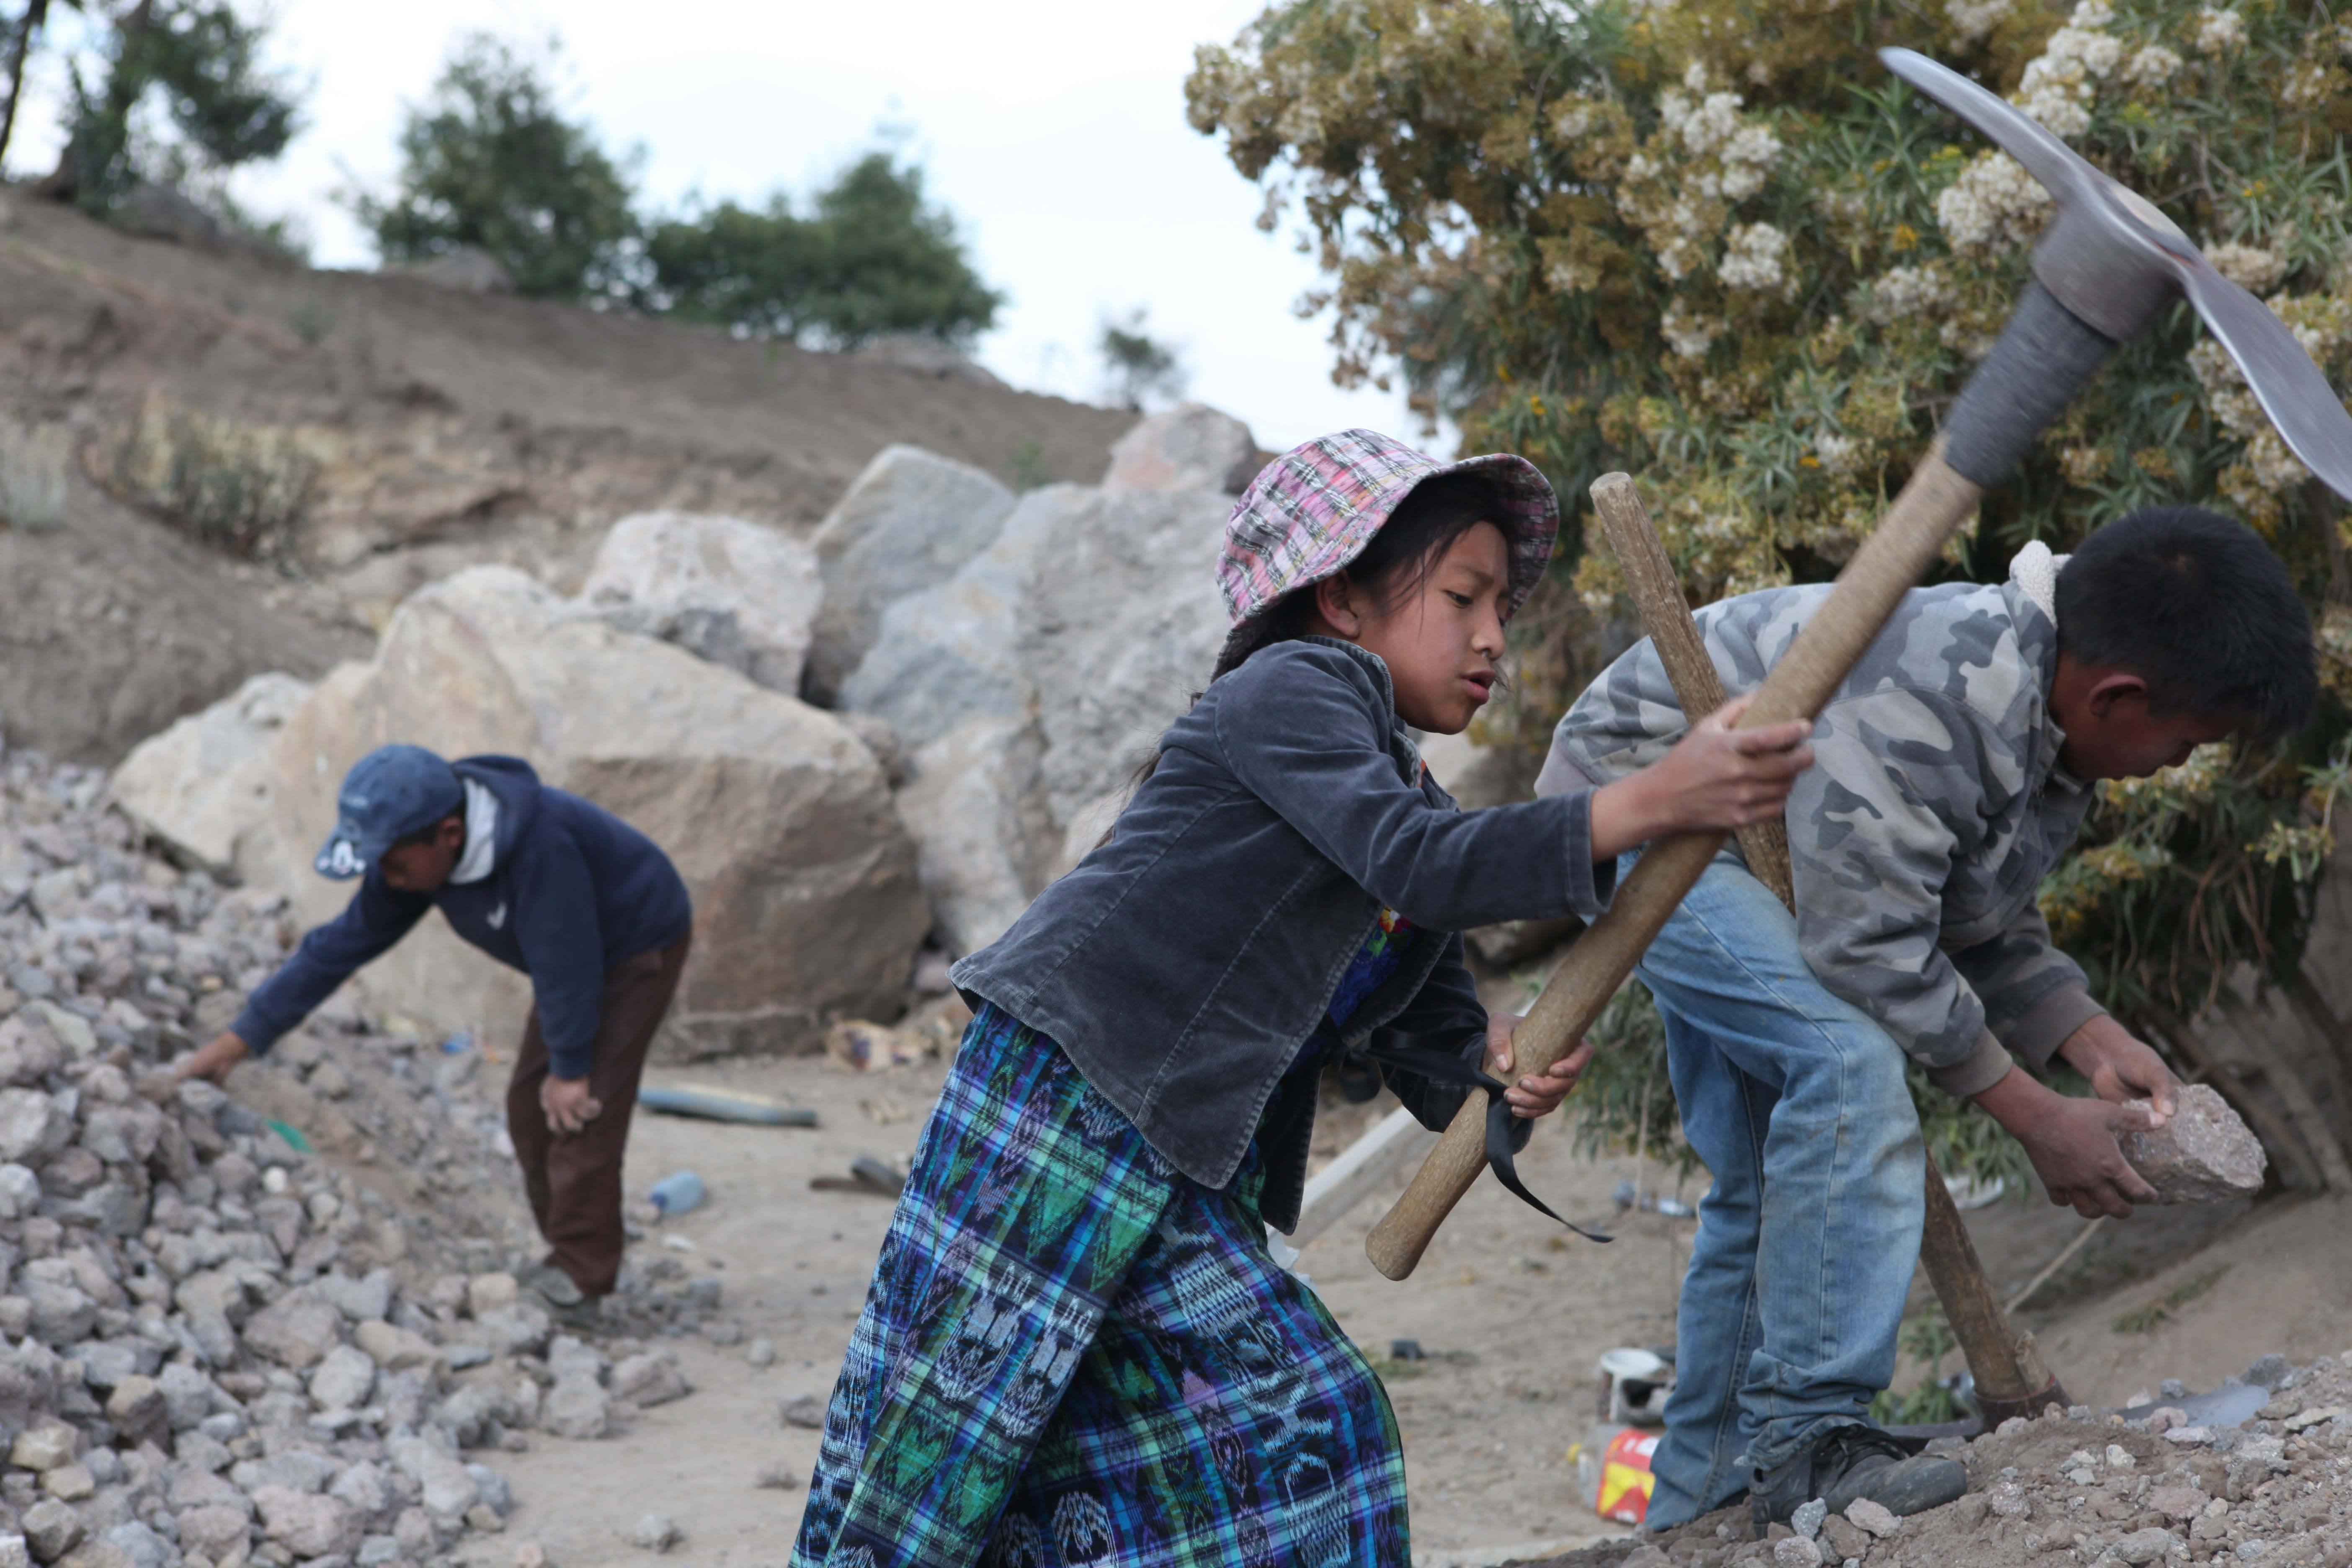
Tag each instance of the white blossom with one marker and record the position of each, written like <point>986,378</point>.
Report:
<point>1689,336</point>
<point>1836,453</point>
<point>2250,266</point>
<point>1994,205</point>
<point>1752,259</point>
<point>2218,31</point>
<point>2151,66</point>
<point>1901,292</point>
<point>2059,84</point>
<point>1972,19</point>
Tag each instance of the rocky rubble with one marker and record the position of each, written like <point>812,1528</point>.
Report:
<point>2089,1488</point>
<point>221,1346</point>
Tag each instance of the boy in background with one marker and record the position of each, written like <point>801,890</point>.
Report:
<point>544,882</point>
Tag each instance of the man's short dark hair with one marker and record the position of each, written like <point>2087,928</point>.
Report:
<point>2197,606</point>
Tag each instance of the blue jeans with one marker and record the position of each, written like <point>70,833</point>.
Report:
<point>1806,1242</point>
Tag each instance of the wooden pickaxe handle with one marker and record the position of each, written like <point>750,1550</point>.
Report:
<point>2006,1366</point>
<point>1930,510</point>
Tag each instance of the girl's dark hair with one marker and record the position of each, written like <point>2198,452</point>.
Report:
<point>1398,560</point>
<point>2199,607</point>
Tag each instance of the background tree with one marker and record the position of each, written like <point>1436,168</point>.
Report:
<point>490,161</point>
<point>179,93</point>
<point>1713,243</point>
<point>873,258</point>
<point>1137,366</point>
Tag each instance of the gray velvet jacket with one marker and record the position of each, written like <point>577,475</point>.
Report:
<point>1182,965</point>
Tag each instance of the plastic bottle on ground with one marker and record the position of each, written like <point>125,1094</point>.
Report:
<point>672,1195</point>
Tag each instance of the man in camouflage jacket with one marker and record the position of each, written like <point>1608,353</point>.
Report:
<point>1952,770</point>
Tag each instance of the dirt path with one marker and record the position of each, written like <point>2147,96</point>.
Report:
<point>1486,1427</point>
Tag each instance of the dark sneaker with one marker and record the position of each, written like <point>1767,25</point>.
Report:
<point>1847,1464</point>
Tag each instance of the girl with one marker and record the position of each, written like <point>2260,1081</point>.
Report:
<point>1075,1349</point>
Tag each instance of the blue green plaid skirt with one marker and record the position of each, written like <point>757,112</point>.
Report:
<point>1071,1353</point>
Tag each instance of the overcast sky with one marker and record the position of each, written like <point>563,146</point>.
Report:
<point>1053,128</point>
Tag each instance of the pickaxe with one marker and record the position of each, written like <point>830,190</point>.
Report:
<point>2108,263</point>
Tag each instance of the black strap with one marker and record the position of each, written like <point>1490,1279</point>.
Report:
<point>1393,1048</point>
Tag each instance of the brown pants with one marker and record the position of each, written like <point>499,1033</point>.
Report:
<point>574,1181</point>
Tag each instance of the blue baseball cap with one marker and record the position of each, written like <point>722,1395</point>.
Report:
<point>389,794</point>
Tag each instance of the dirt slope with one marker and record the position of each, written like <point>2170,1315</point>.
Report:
<point>421,430</point>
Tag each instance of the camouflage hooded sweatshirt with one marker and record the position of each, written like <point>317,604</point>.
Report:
<point>1934,808</point>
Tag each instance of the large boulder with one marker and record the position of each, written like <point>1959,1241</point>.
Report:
<point>908,523</point>
<point>951,652</point>
<point>805,896</point>
<point>205,782</point>
<point>1189,447</point>
<point>735,592</point>
<point>1119,630</point>
<point>984,836</point>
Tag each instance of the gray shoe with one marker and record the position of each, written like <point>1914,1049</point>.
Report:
<point>554,1283</point>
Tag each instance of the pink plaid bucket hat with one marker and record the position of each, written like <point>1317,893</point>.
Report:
<point>1314,509</point>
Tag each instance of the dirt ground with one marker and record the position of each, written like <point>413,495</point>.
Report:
<point>1509,1314</point>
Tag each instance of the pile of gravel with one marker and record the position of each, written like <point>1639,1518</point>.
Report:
<point>2082,1487</point>
<point>220,1347</point>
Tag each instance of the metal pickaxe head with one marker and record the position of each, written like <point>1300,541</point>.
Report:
<point>2108,262</point>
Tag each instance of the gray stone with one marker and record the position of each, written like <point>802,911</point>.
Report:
<point>2202,1154</point>
<point>576,1408</point>
<point>805,1410</point>
<point>45,1447</point>
<point>2144,1546</point>
<point>1189,447</point>
<point>1807,1520</point>
<point>296,1331</point>
<point>950,652</point>
<point>520,1329</point>
<point>357,1300</point>
<point>343,1379</point>
<point>1796,1551</point>
<point>1127,625</point>
<point>20,1191</point>
<point>494,1490</point>
<point>214,1531</point>
<point>1877,1519</point>
<point>656,1533</point>
<point>366,1488</point>
<point>139,1410</point>
<point>141,1545</point>
<point>649,1380</point>
<point>908,523</point>
<point>188,1395</point>
<point>761,1354</point>
<point>728,591</point>
<point>294,1470</point>
<point>985,843</point>
<point>51,1529</point>
<point>31,1125</point>
<point>306,1523</point>
<point>570,1357</point>
<point>205,782</point>
<point>61,1313</point>
<point>394,1348</point>
<point>200,1450</point>
<point>378,1551</point>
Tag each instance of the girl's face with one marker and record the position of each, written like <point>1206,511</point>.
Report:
<point>1440,640</point>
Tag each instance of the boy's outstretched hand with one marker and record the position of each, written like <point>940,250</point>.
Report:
<point>1715,779</point>
<point>1538,1094</point>
<point>2073,1143</point>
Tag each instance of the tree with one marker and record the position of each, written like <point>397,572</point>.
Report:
<point>873,258</point>
<point>1139,366</point>
<point>196,58</point>
<point>490,162</point>
<point>1713,243</point>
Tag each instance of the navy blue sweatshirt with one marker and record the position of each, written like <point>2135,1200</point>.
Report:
<point>573,893</point>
